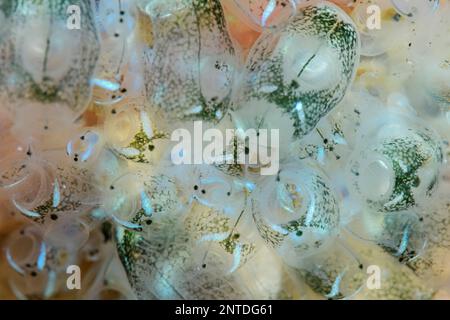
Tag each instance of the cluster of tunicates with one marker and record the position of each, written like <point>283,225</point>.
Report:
<point>332,181</point>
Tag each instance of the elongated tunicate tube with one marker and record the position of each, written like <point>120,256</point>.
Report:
<point>47,57</point>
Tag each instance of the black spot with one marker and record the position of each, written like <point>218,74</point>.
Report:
<point>107,231</point>
<point>416,182</point>
<point>111,187</point>
<point>204,265</point>
<point>33,273</point>
<point>149,222</point>
<point>361,266</point>
<point>196,187</point>
<point>203,191</point>
<point>54,216</point>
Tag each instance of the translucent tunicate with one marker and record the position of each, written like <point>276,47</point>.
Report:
<point>396,166</point>
<point>296,212</point>
<point>28,256</point>
<point>208,186</point>
<point>403,236</point>
<point>220,243</point>
<point>134,135</point>
<point>42,59</point>
<point>195,257</point>
<point>296,74</point>
<point>62,190</point>
<point>23,249</point>
<point>138,201</point>
<point>192,61</point>
<point>115,22</point>
<point>84,147</point>
<point>335,273</point>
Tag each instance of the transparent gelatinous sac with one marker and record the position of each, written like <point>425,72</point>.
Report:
<point>135,202</point>
<point>220,242</point>
<point>396,165</point>
<point>84,147</point>
<point>58,191</point>
<point>182,254</point>
<point>296,74</point>
<point>196,256</point>
<point>402,235</point>
<point>48,55</point>
<point>296,212</point>
<point>134,135</point>
<point>218,225</point>
<point>262,14</point>
<point>38,268</point>
<point>164,264</point>
<point>120,55</point>
<point>192,61</point>
<point>213,188</point>
<point>334,273</point>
